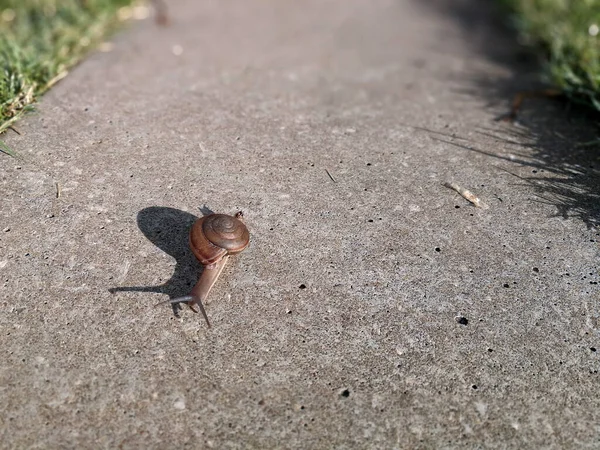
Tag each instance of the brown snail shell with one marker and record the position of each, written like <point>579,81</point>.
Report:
<point>214,236</point>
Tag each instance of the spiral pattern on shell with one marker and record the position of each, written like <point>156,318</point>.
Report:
<point>226,232</point>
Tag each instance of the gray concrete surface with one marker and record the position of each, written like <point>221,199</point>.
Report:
<point>393,98</point>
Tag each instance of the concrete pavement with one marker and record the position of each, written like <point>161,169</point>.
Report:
<point>374,308</point>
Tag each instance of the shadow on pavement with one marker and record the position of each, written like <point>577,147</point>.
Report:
<point>169,229</point>
<point>556,138</point>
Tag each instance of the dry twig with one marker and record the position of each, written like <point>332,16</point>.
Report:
<point>330,176</point>
<point>467,195</point>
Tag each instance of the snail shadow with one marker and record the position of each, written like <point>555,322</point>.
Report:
<point>169,229</point>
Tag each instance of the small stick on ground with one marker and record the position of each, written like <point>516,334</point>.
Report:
<point>518,100</point>
<point>467,195</point>
<point>162,16</point>
<point>58,190</point>
<point>330,176</point>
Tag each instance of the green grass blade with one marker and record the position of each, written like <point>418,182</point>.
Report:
<point>6,149</point>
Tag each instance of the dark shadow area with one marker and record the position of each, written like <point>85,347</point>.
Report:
<point>169,229</point>
<point>555,137</point>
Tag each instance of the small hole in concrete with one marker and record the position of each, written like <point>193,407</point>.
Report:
<point>506,285</point>
<point>437,249</point>
<point>462,320</point>
<point>535,269</point>
<point>345,393</point>
<point>593,349</point>
<point>302,286</point>
<point>474,386</point>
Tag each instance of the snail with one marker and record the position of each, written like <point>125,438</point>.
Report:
<point>212,239</point>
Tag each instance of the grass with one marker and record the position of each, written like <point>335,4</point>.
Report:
<point>568,33</point>
<point>40,40</point>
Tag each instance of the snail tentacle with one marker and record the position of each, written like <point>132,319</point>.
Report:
<point>191,300</point>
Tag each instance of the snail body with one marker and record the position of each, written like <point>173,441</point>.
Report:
<point>212,239</point>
